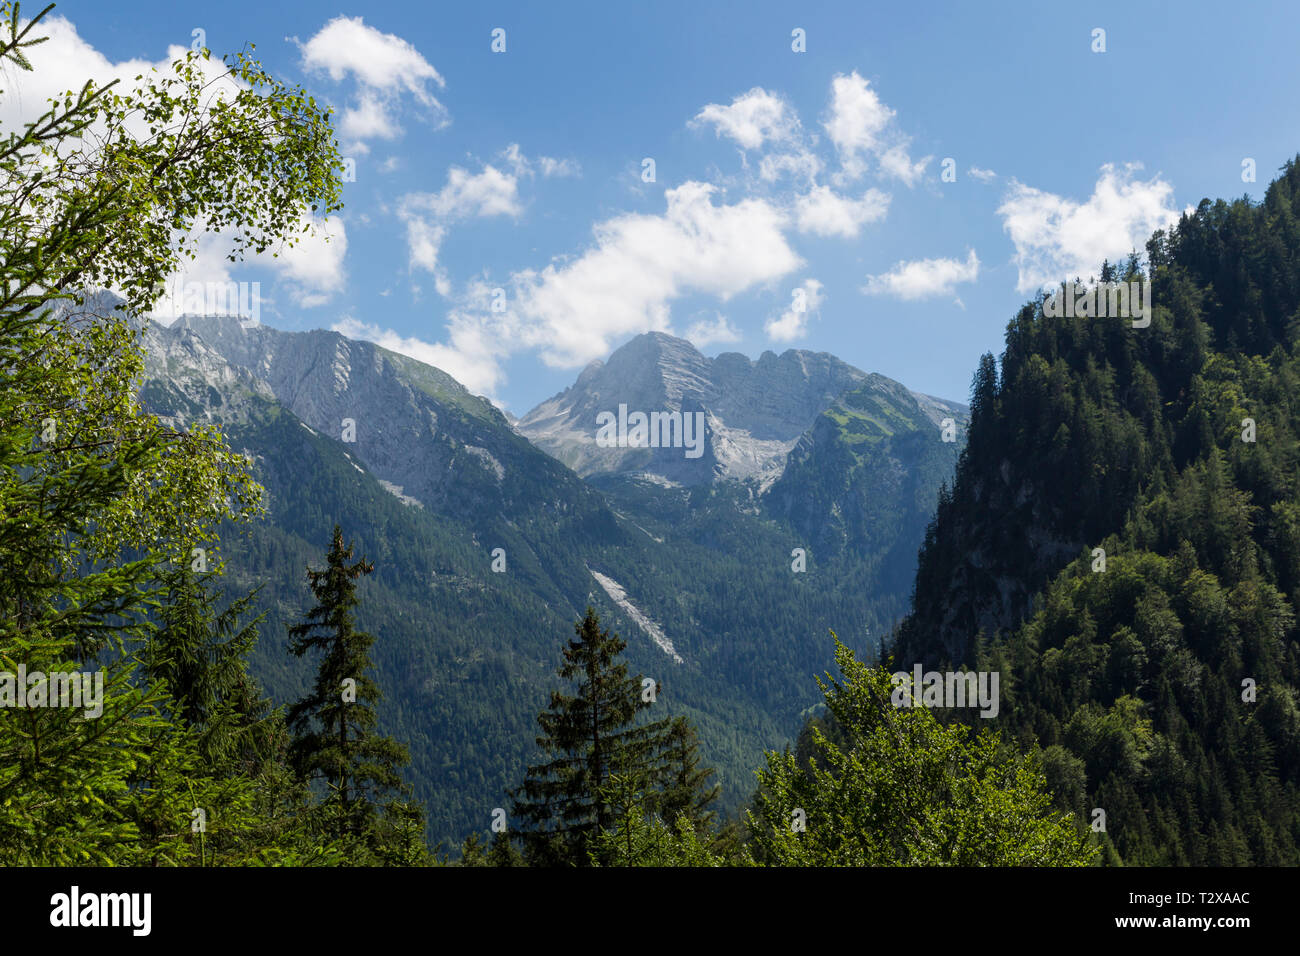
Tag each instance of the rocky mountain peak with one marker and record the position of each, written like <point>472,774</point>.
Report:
<point>755,409</point>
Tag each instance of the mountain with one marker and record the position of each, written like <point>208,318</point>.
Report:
<point>850,461</point>
<point>864,478</point>
<point>416,427</point>
<point>755,411</point>
<point>1122,545</point>
<point>431,481</point>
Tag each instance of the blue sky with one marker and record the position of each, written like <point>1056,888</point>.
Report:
<point>775,170</point>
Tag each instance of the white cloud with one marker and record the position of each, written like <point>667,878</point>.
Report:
<point>801,163</point>
<point>924,278</point>
<point>983,175</point>
<point>857,116</point>
<point>1057,238</point>
<point>706,332</point>
<point>64,61</point>
<point>824,213</point>
<point>381,61</point>
<point>488,193</point>
<point>516,160</point>
<point>465,196</point>
<point>895,162</point>
<point>313,266</point>
<point>861,125</point>
<point>792,324</point>
<point>762,118</point>
<point>625,283</point>
<point>549,166</point>
<point>311,270</point>
<point>752,119</point>
<point>384,66</point>
<point>424,240</point>
<point>367,119</point>
<point>558,168</point>
<point>641,263</point>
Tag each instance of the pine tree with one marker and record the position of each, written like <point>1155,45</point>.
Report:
<point>334,725</point>
<point>589,736</point>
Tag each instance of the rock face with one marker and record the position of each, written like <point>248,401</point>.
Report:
<point>188,380</point>
<point>755,410</point>
<point>412,425</point>
<point>850,460</point>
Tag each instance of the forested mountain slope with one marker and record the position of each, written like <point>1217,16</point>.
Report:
<point>1160,673</point>
<point>432,481</point>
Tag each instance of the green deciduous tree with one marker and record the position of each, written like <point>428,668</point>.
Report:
<point>107,189</point>
<point>901,788</point>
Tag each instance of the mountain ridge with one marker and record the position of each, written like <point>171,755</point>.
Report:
<point>487,549</point>
<point>756,409</point>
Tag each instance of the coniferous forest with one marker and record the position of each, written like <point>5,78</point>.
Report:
<point>288,663</point>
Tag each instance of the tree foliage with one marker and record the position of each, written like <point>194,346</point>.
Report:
<point>334,725</point>
<point>900,788</point>
<point>99,501</point>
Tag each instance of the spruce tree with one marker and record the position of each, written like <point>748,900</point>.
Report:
<point>687,787</point>
<point>588,736</point>
<point>503,852</point>
<point>471,852</point>
<point>334,725</point>
<point>201,656</point>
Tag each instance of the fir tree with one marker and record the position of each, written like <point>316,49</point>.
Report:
<point>588,736</point>
<point>334,725</point>
<point>504,852</point>
<point>640,837</point>
<point>471,852</point>
<point>687,787</point>
<point>201,657</point>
